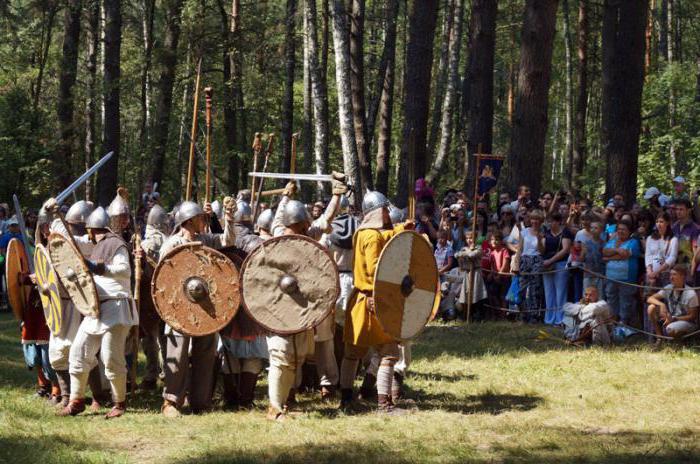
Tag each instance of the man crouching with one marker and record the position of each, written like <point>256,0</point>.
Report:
<point>673,311</point>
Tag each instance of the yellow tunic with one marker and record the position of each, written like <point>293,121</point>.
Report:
<point>362,328</point>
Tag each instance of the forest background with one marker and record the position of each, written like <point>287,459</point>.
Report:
<point>593,96</point>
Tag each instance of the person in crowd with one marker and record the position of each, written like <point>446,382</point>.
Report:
<point>557,243</point>
<point>685,230</point>
<point>621,255</point>
<point>497,280</point>
<point>444,255</point>
<point>589,237</point>
<point>469,259</point>
<point>459,228</point>
<point>317,210</point>
<point>673,311</point>
<point>546,199</point>
<point>646,222</point>
<point>507,220</point>
<point>426,223</point>
<point>524,198</point>
<point>528,262</point>
<point>653,197</point>
<point>588,321</point>
<point>679,189</point>
<point>661,252</point>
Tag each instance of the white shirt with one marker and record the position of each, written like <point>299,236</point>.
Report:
<point>83,242</point>
<point>659,252</point>
<point>529,243</point>
<point>679,302</point>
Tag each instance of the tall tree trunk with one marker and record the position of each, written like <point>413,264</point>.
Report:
<point>649,38</point>
<point>288,99</point>
<point>109,175</point>
<point>47,32</point>
<point>230,32</point>
<point>66,102</point>
<point>663,30</point>
<point>416,95</point>
<point>341,47</point>
<point>357,83</point>
<point>168,66</point>
<point>147,19</point>
<point>671,43</point>
<point>183,130</point>
<point>569,96</point>
<point>93,37</point>
<point>531,101</point>
<point>478,84</point>
<point>623,81</point>
<point>386,103</point>
<point>581,99</point>
<point>307,129</point>
<point>441,77</point>
<point>319,93</point>
<point>450,101</point>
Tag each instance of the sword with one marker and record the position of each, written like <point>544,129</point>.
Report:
<point>293,176</point>
<point>25,237</point>
<point>80,180</point>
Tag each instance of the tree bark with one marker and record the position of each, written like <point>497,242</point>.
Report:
<point>531,101</point>
<point>663,30</point>
<point>47,32</point>
<point>93,37</point>
<point>450,101</point>
<point>569,96</point>
<point>416,98</point>
<point>581,99</point>
<point>147,19</point>
<point>230,31</point>
<point>441,76</point>
<point>66,102</point>
<point>623,80</point>
<point>478,84</point>
<point>319,93</point>
<point>307,129</point>
<point>357,83</point>
<point>342,79</point>
<point>168,66</point>
<point>109,175</point>
<point>288,99</point>
<point>386,93</point>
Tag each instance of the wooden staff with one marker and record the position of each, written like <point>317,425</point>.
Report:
<point>207,182</point>
<point>193,134</point>
<point>257,149</point>
<point>472,274</point>
<point>268,152</point>
<point>134,333</point>
<point>411,216</point>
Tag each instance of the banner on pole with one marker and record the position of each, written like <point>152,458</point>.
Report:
<point>489,170</point>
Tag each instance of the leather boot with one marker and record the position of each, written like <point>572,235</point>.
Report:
<point>74,408</point>
<point>397,387</point>
<point>346,399</point>
<point>247,389</point>
<point>231,391</point>
<point>55,397</point>
<point>327,393</point>
<point>385,406</point>
<point>368,390</point>
<point>117,410</point>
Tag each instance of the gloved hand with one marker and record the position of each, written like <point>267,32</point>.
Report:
<point>95,268</point>
<point>51,207</point>
<point>230,208</point>
<point>338,183</point>
<point>290,189</point>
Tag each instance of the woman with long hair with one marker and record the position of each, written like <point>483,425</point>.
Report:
<point>528,262</point>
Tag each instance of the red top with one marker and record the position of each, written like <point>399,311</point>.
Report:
<point>499,257</point>
<point>34,328</point>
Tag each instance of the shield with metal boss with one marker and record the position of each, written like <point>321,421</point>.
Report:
<point>16,267</point>
<point>49,287</point>
<point>289,284</point>
<point>406,285</point>
<point>195,289</point>
<point>74,274</point>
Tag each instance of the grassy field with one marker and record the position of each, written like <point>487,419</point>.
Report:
<point>487,393</point>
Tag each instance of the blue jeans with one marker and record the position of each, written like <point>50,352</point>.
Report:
<point>622,300</point>
<point>555,293</point>
<point>37,356</point>
<point>577,282</point>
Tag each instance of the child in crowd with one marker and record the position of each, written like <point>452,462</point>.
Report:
<point>497,281</point>
<point>444,256</point>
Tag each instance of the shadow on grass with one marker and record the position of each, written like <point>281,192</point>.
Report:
<point>13,371</point>
<point>485,403</point>
<point>15,448</point>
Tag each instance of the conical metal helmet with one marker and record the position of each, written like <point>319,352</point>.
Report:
<point>186,211</point>
<point>395,214</point>
<point>244,195</point>
<point>79,212</point>
<point>265,220</point>
<point>118,207</point>
<point>374,200</point>
<point>294,213</point>
<point>217,208</point>
<point>243,213</point>
<point>43,217</point>
<point>157,217</point>
<point>98,219</point>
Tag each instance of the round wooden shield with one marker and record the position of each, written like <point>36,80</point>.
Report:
<point>16,264</point>
<point>289,284</point>
<point>406,285</point>
<point>74,275</point>
<point>48,285</point>
<point>195,289</point>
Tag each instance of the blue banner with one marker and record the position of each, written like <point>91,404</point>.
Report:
<point>489,170</point>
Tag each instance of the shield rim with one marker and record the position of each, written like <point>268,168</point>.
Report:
<point>433,307</point>
<point>41,249</point>
<point>71,243</point>
<point>278,239</point>
<point>156,272</point>
<point>16,247</point>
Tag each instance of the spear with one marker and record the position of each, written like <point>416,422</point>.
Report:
<point>193,137</point>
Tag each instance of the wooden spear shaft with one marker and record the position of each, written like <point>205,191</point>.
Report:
<point>207,183</point>
<point>257,148</point>
<point>193,134</point>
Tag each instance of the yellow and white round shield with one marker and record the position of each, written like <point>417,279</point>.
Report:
<point>406,285</point>
<point>49,289</point>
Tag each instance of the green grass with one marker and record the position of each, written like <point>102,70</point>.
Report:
<point>487,393</point>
